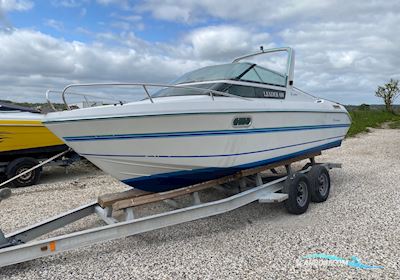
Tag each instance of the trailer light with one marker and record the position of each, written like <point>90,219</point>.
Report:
<point>52,246</point>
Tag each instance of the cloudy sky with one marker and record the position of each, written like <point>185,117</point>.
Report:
<point>344,49</point>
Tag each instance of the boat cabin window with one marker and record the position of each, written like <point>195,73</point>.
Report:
<point>253,92</point>
<point>239,90</point>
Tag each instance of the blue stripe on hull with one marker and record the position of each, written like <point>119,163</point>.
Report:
<point>200,133</point>
<point>210,156</point>
<point>168,181</point>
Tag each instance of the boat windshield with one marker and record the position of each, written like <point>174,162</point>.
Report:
<point>186,91</point>
<point>243,71</point>
<point>258,74</point>
<point>216,72</point>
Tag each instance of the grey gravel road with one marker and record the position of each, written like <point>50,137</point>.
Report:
<point>361,218</point>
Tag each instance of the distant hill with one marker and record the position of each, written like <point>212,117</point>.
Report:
<point>42,107</point>
<point>370,107</point>
<point>7,106</point>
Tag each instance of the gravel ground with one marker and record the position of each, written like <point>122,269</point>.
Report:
<point>361,218</point>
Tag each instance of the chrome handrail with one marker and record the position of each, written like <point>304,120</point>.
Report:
<point>316,97</point>
<point>48,98</point>
<point>262,51</point>
<point>76,93</point>
<point>306,93</point>
<point>145,86</point>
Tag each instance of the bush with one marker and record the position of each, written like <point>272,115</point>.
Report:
<point>364,107</point>
<point>361,120</point>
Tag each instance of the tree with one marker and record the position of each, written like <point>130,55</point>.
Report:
<point>389,92</point>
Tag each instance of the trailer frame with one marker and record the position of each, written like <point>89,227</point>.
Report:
<point>18,246</point>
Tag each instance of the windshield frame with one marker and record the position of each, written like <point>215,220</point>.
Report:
<point>235,78</point>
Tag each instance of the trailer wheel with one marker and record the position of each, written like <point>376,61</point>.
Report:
<point>20,165</point>
<point>320,183</point>
<point>298,190</point>
<point>3,177</point>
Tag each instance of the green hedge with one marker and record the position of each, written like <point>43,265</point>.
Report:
<point>361,119</point>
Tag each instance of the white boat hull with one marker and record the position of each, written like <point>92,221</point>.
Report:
<point>166,151</point>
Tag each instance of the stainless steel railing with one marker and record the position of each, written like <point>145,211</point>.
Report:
<point>145,87</point>
<point>85,96</point>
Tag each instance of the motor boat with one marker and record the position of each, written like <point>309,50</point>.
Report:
<point>23,134</point>
<point>24,141</point>
<point>209,123</point>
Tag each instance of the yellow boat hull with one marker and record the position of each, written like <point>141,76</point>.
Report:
<point>17,135</point>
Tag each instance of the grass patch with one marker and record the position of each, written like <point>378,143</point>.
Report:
<point>361,119</point>
<point>395,124</point>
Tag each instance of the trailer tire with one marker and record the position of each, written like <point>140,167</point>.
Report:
<point>20,165</point>
<point>299,195</point>
<point>320,183</point>
<point>3,177</point>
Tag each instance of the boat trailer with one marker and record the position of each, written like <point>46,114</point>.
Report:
<point>295,188</point>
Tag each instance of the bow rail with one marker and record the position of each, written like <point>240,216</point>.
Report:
<point>85,96</point>
<point>145,86</point>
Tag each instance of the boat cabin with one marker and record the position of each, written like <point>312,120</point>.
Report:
<point>243,79</point>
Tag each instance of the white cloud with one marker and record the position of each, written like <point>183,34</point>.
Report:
<point>345,60</point>
<point>82,12</point>
<point>124,4</point>
<point>130,18</point>
<point>9,6</point>
<point>69,3</point>
<point>342,59</point>
<point>55,24</point>
<point>269,13</point>
<point>224,42</point>
<point>260,11</point>
<point>176,12</point>
<point>127,22</point>
<point>15,5</point>
<point>31,62</point>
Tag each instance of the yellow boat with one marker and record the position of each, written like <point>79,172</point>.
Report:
<point>24,142</point>
<point>22,133</point>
